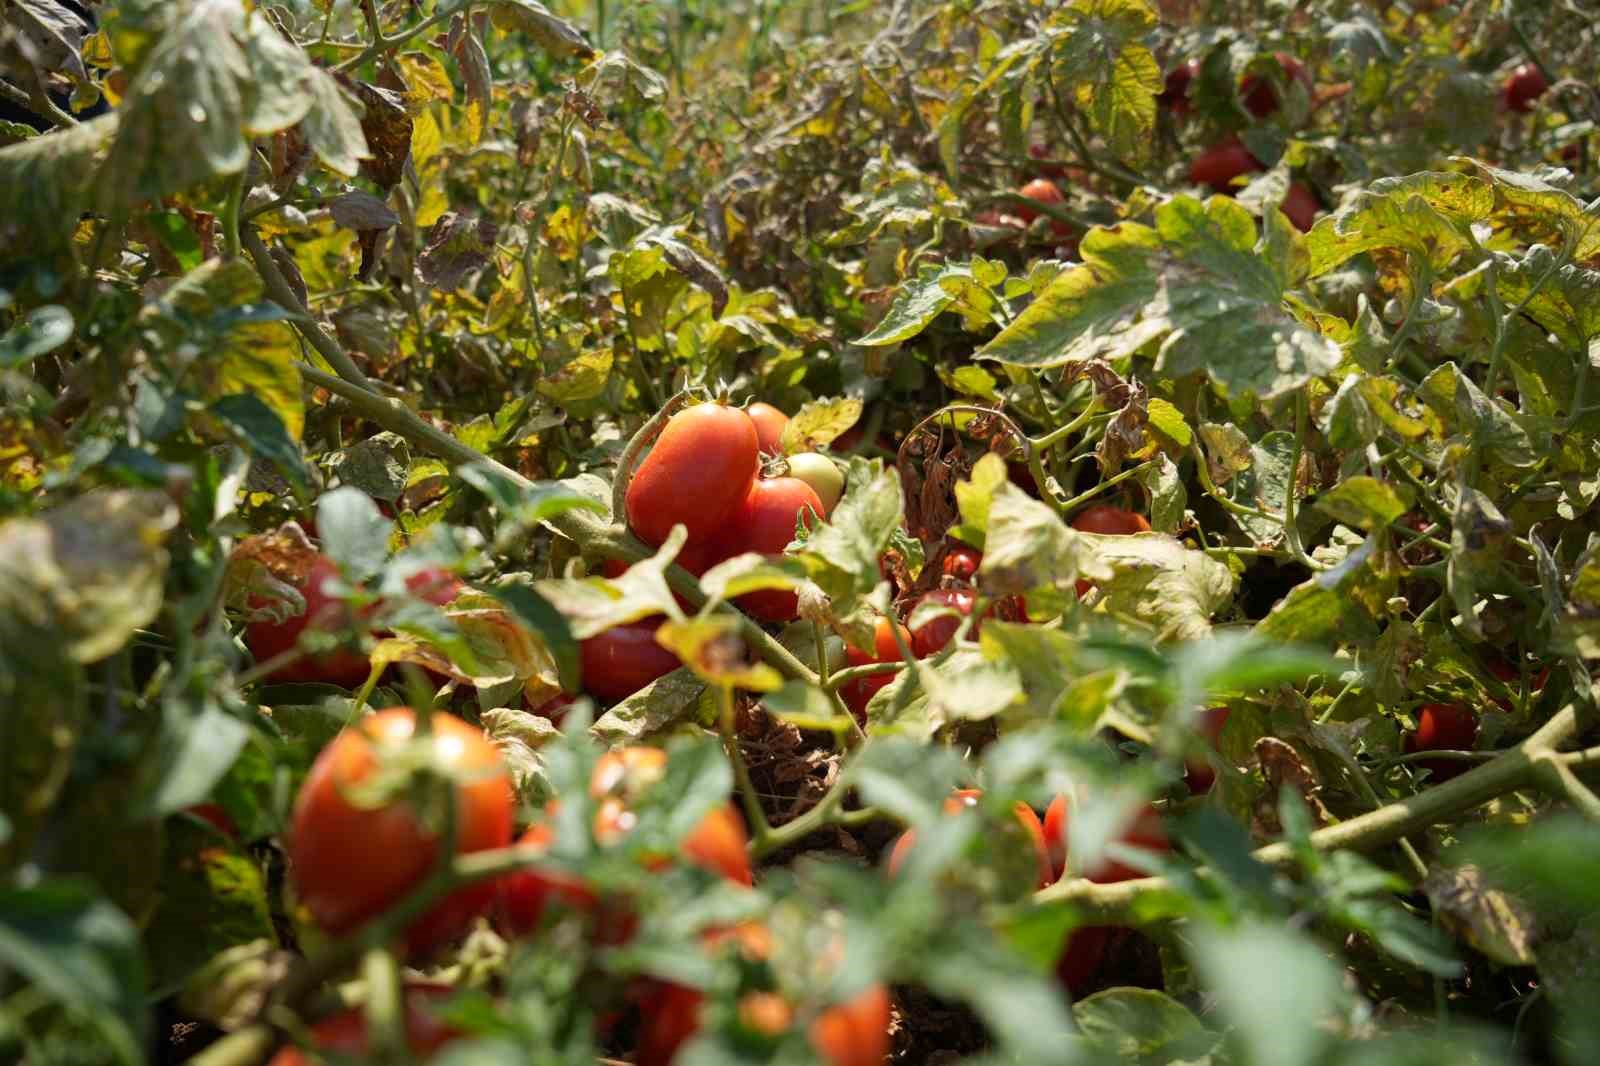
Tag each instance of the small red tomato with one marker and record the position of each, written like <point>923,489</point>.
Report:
<point>1301,205</point>
<point>961,563</point>
<point>1224,161</point>
<point>765,523</point>
<point>721,845</point>
<point>858,693</point>
<point>769,426</point>
<point>219,818</point>
<point>325,614</point>
<point>1175,91</point>
<point>930,637</point>
<point>1522,87</point>
<point>1043,191</point>
<point>1107,520</point>
<point>1508,674</point>
<point>1443,727</point>
<point>435,584</point>
<point>697,473</point>
<point>1199,774</point>
<point>624,659</point>
<point>1145,833</point>
<point>854,1033</point>
<point>1260,95</point>
<point>350,861</point>
<point>345,1033</point>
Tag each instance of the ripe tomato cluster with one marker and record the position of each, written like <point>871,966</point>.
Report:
<point>1220,165</point>
<point>359,842</point>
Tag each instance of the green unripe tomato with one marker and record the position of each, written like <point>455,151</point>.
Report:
<point>818,471</point>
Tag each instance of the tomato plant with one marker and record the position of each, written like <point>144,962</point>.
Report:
<point>361,355</point>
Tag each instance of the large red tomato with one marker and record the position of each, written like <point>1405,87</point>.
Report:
<point>858,693</point>
<point>1522,87</point>
<point>769,426</point>
<point>345,1033</point>
<point>699,470</point>
<point>521,898</point>
<point>1260,95</point>
<point>765,522</point>
<point>1199,774</point>
<point>624,659</point>
<point>854,1033</point>
<point>1218,165</point>
<point>930,637</point>
<point>1301,205</point>
<point>1443,727</point>
<point>323,613</point>
<point>350,862</point>
<point>1105,519</point>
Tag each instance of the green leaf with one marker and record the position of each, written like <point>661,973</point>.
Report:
<point>1224,301</point>
<point>1324,609</point>
<point>43,330</point>
<point>1170,422</point>
<point>82,952</point>
<point>1425,215</point>
<point>1100,55</point>
<point>539,615</point>
<point>1091,311</point>
<point>916,305</point>
<point>1365,502</point>
<point>353,531</point>
<point>92,570</point>
<point>1141,1026</point>
<point>260,429</point>
<point>213,897</point>
<point>1158,581</point>
<point>46,183</point>
<point>1274,987</point>
<point>194,752</point>
<point>333,126</point>
<point>550,32</point>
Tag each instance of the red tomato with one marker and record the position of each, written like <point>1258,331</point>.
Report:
<point>1043,191</point>
<point>1105,519</point>
<point>324,614</point>
<point>1146,833</point>
<point>219,818</point>
<point>1175,92</point>
<point>854,1033</point>
<point>349,863</point>
<point>435,584</point>
<point>1522,87</point>
<point>1508,674</point>
<point>961,563</point>
<point>963,798</point>
<point>624,659</point>
<point>1081,956</point>
<point>765,523</point>
<point>930,637</point>
<point>700,469</point>
<point>719,844</point>
<point>857,694</point>
<point>1260,95</point>
<point>345,1033</point>
<point>522,897</point>
<point>1301,205</point>
<point>1218,165</point>
<point>1199,774</point>
<point>1443,727</point>
<point>669,1016</point>
<point>769,426</point>
<point>554,708</point>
